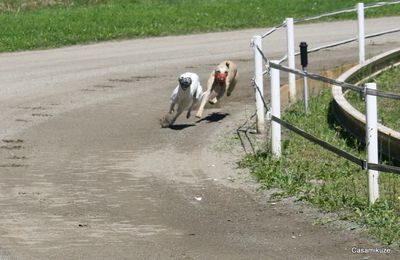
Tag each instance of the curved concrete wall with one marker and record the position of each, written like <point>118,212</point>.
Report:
<point>351,118</point>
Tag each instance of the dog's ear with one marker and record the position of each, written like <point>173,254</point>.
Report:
<point>227,64</point>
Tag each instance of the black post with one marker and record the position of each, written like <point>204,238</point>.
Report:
<point>304,54</point>
<point>304,63</point>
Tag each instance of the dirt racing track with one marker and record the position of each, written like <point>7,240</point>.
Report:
<point>86,172</point>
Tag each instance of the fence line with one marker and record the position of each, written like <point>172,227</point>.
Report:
<point>311,18</point>
<point>380,4</point>
<point>345,85</point>
<point>343,42</point>
<point>360,162</point>
<point>369,91</point>
<point>345,10</point>
<point>340,152</point>
<point>274,29</point>
<point>342,11</point>
<point>321,143</point>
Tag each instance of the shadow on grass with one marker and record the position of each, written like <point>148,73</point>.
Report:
<point>351,140</point>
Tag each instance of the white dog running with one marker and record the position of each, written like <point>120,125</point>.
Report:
<point>186,95</point>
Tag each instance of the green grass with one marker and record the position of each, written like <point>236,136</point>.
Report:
<point>388,109</point>
<point>321,178</point>
<point>28,24</point>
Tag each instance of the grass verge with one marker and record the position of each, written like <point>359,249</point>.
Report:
<point>321,178</point>
<point>32,24</point>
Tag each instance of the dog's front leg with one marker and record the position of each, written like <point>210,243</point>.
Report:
<point>228,86</point>
<point>173,100</point>
<point>189,112</point>
<point>178,113</point>
<point>231,86</point>
<point>220,93</point>
<point>172,107</point>
<point>206,94</point>
<point>204,100</point>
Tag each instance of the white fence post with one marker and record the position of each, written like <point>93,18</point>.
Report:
<point>275,111</point>
<point>361,33</point>
<point>258,79</point>
<point>372,142</point>
<point>291,58</point>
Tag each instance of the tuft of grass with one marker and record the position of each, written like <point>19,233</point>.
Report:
<point>313,174</point>
<point>32,24</point>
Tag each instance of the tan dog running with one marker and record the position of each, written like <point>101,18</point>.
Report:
<point>223,78</point>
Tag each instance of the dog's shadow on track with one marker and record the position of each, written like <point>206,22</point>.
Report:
<point>181,126</point>
<point>214,117</point>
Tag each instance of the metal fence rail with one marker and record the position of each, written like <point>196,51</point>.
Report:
<point>327,14</point>
<point>345,85</point>
<point>345,10</point>
<point>340,152</point>
<point>335,44</point>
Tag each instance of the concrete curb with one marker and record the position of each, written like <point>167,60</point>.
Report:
<point>353,120</point>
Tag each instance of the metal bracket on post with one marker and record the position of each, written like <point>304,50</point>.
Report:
<point>363,93</point>
<point>304,62</point>
<point>252,43</point>
<point>268,116</point>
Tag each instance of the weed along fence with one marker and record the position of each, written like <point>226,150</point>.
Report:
<point>368,90</point>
